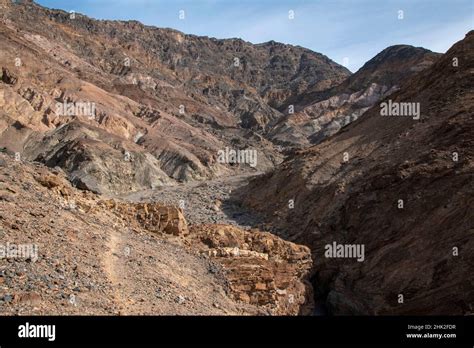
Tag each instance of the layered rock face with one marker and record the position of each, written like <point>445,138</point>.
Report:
<point>319,115</point>
<point>262,269</point>
<point>154,217</point>
<point>77,87</point>
<point>399,186</point>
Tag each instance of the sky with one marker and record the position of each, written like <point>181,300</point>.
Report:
<point>349,32</point>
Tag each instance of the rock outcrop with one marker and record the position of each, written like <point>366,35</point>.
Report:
<point>262,269</point>
<point>153,217</point>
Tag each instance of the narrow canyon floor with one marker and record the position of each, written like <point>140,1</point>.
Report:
<point>205,202</point>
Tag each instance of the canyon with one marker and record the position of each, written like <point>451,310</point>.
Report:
<point>116,161</point>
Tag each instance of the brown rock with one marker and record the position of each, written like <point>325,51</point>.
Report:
<point>7,77</point>
<point>50,181</point>
<point>267,264</point>
<point>29,298</point>
<point>153,217</point>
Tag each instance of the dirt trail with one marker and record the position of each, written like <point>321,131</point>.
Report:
<point>111,266</point>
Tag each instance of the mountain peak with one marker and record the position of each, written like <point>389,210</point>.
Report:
<point>392,65</point>
<point>397,52</point>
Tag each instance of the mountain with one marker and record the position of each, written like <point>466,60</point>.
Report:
<point>166,101</point>
<point>320,114</point>
<point>402,187</point>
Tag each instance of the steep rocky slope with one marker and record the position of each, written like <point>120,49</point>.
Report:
<point>320,114</point>
<point>168,100</point>
<point>66,251</point>
<point>403,188</point>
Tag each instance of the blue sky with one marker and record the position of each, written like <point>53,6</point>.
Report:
<point>348,31</point>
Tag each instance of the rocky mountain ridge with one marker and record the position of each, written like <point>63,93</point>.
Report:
<point>110,134</point>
